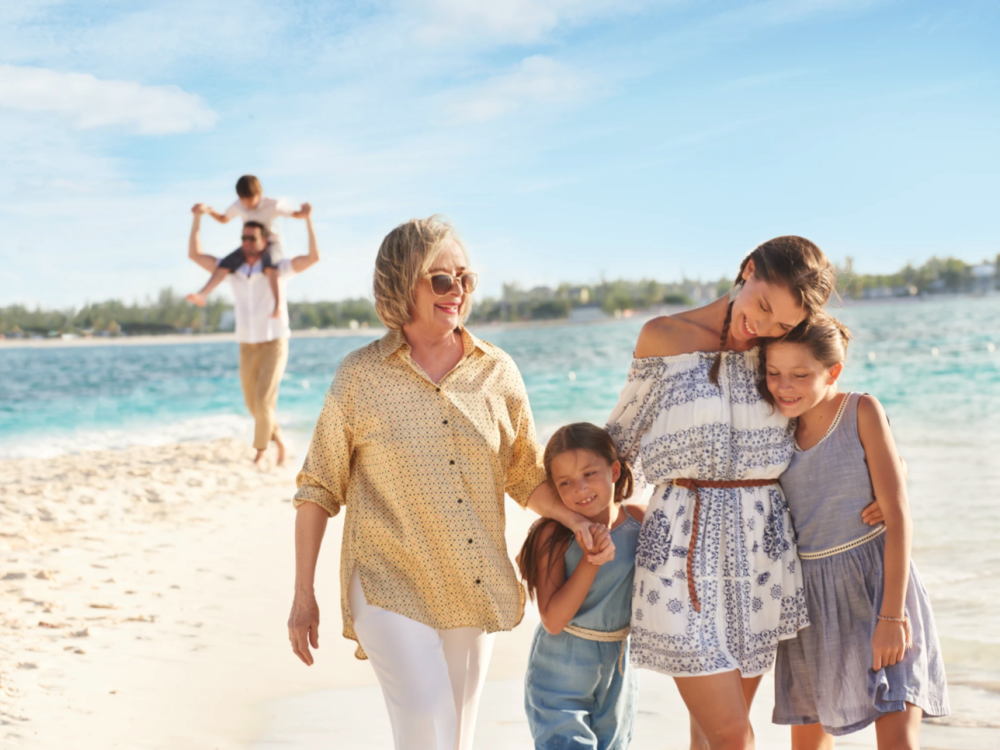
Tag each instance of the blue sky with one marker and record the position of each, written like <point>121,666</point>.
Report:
<point>566,139</point>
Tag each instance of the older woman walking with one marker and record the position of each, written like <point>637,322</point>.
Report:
<point>422,433</point>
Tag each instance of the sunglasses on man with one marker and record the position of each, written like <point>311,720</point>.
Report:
<point>443,283</point>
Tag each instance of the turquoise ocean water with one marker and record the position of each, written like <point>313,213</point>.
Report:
<point>934,364</point>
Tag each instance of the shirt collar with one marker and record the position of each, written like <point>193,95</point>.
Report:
<point>394,340</point>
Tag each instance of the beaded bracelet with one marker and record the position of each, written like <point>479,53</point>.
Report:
<point>906,627</point>
<point>903,620</point>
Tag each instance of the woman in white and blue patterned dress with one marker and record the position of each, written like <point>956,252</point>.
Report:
<point>717,581</point>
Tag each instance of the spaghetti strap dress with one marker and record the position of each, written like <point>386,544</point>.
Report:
<point>824,676</point>
<point>671,423</point>
<point>581,694</point>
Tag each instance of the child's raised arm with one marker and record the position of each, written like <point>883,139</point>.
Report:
<point>559,598</point>
<point>889,483</point>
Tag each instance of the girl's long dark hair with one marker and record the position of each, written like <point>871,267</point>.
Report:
<point>577,436</point>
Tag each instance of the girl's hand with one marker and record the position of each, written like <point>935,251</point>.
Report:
<point>889,643</point>
<point>604,549</point>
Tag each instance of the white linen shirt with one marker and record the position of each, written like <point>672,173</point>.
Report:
<point>267,212</point>
<point>254,303</point>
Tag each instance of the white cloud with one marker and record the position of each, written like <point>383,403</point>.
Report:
<point>778,12</point>
<point>536,81</point>
<point>89,102</point>
<point>515,21</point>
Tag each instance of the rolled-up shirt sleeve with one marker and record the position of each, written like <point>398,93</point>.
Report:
<point>525,470</point>
<point>326,471</point>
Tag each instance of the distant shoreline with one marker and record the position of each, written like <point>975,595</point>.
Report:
<point>176,338</point>
<point>322,333</point>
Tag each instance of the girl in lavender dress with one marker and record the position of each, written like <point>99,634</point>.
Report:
<point>871,652</point>
<point>717,580</point>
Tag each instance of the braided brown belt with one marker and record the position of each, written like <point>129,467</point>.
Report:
<point>711,484</point>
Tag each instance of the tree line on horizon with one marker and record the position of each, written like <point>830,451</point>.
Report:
<point>169,312</point>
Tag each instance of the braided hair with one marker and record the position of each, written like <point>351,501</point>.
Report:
<point>792,262</point>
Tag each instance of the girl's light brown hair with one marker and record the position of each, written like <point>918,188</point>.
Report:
<point>577,436</point>
<point>794,263</point>
<point>824,336</point>
<point>405,256</point>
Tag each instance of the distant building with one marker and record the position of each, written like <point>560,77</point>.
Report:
<point>878,292</point>
<point>984,278</point>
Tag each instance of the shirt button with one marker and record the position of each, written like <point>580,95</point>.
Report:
<point>459,499</point>
<point>478,581</point>
<point>446,421</point>
<point>452,462</point>
<point>438,390</point>
<point>470,541</point>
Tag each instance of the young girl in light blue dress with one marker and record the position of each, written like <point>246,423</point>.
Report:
<point>871,652</point>
<point>580,691</point>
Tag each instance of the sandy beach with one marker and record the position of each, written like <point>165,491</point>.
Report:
<point>144,594</point>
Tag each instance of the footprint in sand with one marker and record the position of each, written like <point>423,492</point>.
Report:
<point>16,576</point>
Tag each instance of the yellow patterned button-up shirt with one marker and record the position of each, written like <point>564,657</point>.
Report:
<point>422,468</point>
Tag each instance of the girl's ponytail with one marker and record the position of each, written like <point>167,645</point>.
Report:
<point>548,539</point>
<point>626,481</point>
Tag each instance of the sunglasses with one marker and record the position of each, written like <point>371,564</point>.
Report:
<point>443,283</point>
<point>249,238</point>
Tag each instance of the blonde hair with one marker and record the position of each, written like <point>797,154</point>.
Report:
<point>406,254</point>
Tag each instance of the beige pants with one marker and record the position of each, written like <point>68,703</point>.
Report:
<point>261,368</point>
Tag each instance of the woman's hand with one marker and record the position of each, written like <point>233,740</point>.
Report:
<point>889,643</point>
<point>581,527</point>
<point>603,549</point>
<point>303,625</point>
<point>872,514</point>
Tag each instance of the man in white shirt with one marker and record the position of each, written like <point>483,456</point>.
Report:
<point>263,337</point>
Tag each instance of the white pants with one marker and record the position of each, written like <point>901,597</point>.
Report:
<point>431,679</point>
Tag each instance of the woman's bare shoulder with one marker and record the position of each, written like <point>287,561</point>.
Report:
<point>670,335</point>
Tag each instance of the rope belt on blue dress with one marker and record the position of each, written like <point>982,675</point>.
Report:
<point>604,636</point>
<point>712,484</point>
<point>843,547</point>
